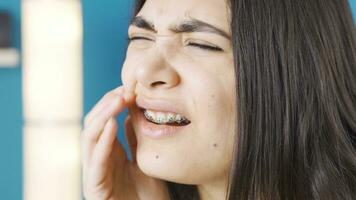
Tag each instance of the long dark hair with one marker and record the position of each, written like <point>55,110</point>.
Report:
<point>295,69</point>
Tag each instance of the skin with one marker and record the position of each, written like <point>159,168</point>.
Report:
<point>164,64</point>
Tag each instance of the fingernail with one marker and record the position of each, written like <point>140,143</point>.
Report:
<point>116,101</point>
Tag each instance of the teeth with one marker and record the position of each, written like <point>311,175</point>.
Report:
<point>163,118</point>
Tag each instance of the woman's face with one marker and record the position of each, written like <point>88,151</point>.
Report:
<point>180,61</point>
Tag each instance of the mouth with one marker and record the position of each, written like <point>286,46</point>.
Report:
<point>161,118</point>
<point>164,118</point>
<point>162,113</point>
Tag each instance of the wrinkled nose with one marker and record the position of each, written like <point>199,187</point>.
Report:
<point>157,73</point>
<point>152,70</point>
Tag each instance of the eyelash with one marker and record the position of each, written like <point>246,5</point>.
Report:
<point>138,38</point>
<point>206,47</point>
<point>201,46</point>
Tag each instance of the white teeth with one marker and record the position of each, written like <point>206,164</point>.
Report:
<point>160,117</point>
<point>150,113</point>
<point>163,118</point>
<point>178,118</point>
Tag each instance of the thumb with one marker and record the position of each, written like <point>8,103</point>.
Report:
<point>131,137</point>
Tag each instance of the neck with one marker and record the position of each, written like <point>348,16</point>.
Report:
<point>216,189</point>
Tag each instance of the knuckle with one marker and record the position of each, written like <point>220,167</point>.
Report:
<point>109,95</point>
<point>118,89</point>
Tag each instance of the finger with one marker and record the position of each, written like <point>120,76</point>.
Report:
<point>118,152</point>
<point>100,165</point>
<point>131,138</point>
<point>83,159</point>
<point>103,103</point>
<point>92,132</point>
<point>105,145</point>
<point>129,91</point>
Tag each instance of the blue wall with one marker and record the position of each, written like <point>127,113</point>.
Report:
<point>11,118</point>
<point>105,41</point>
<point>105,32</point>
<point>105,27</point>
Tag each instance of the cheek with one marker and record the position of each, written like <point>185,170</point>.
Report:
<point>214,105</point>
<point>214,100</point>
<point>125,73</point>
<point>132,61</point>
<point>216,120</point>
<point>217,133</point>
<point>214,96</point>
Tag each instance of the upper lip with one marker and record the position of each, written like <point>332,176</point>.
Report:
<point>161,105</point>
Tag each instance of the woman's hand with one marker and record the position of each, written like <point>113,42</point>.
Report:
<point>107,173</point>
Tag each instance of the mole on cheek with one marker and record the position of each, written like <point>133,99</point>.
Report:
<point>215,145</point>
<point>157,156</point>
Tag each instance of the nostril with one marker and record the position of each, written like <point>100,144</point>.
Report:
<point>158,83</point>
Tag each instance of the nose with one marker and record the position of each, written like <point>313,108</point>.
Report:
<point>157,73</point>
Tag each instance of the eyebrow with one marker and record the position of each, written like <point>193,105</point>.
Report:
<point>188,26</point>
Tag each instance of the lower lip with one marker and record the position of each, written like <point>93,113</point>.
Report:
<point>156,131</point>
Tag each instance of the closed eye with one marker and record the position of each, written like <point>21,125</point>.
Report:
<point>201,46</point>
<point>139,38</point>
<point>205,47</point>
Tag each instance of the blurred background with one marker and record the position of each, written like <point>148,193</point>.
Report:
<point>23,91</point>
<point>56,61</point>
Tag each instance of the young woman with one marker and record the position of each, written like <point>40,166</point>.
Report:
<point>237,100</point>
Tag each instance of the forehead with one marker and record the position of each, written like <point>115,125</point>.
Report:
<point>164,13</point>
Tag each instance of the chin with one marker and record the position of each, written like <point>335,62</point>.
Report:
<point>156,167</point>
<point>166,169</point>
